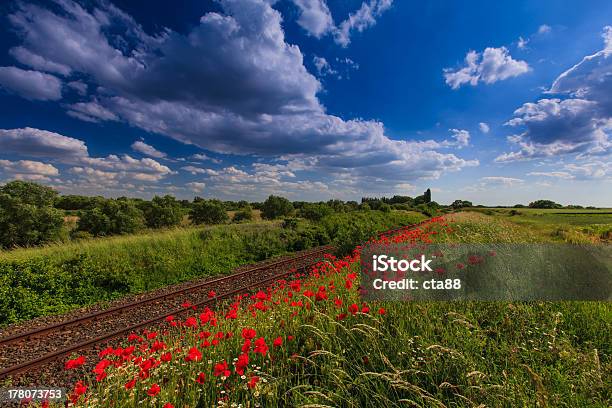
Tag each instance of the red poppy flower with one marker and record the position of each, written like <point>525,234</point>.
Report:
<point>74,363</point>
<point>130,384</point>
<point>166,357</point>
<point>212,294</point>
<point>246,346</point>
<point>158,345</point>
<point>382,311</point>
<point>353,308</point>
<point>248,333</point>
<point>193,355</point>
<point>242,363</point>
<point>260,346</point>
<point>170,318</point>
<point>254,380</point>
<point>154,390</point>
<point>168,405</point>
<point>277,342</point>
<point>80,388</point>
<point>221,369</point>
<point>191,322</point>
<point>201,378</point>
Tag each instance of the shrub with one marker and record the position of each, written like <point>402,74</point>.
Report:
<point>111,217</point>
<point>208,212</point>
<point>26,215</point>
<point>275,207</point>
<point>384,207</point>
<point>162,212</point>
<point>244,214</point>
<point>315,211</point>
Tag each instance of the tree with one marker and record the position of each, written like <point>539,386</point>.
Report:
<point>208,212</point>
<point>30,193</point>
<point>26,215</point>
<point>275,207</point>
<point>162,212</point>
<point>460,204</point>
<point>111,217</point>
<point>544,204</point>
<point>315,211</point>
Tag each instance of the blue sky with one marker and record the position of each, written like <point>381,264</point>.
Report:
<point>494,102</point>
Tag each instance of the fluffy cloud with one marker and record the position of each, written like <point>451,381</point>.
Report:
<point>148,150</point>
<point>37,62</point>
<point>231,85</point>
<point>30,84</point>
<point>492,65</point>
<point>551,174</point>
<point>90,112</point>
<point>29,170</point>
<point>323,67</point>
<point>317,20</point>
<point>29,166</point>
<point>580,123</point>
<point>315,17</point>
<point>40,143</point>
<point>484,128</point>
<point>197,170</point>
<point>204,157</point>
<point>362,19</point>
<point>461,136</point>
<point>196,187</point>
<point>596,170</point>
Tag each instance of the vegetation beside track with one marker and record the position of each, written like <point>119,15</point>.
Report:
<point>58,278</point>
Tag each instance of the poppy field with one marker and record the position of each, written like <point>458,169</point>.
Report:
<point>310,341</point>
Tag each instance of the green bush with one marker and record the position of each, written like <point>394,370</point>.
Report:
<point>208,212</point>
<point>244,214</point>
<point>111,217</point>
<point>275,207</point>
<point>315,211</point>
<point>26,215</point>
<point>162,212</point>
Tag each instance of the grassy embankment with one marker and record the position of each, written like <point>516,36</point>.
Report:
<point>334,352</point>
<point>61,277</point>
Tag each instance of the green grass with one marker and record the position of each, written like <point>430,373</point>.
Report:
<point>574,226</point>
<point>61,277</point>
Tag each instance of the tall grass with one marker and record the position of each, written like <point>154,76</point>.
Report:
<point>336,353</point>
<point>60,277</point>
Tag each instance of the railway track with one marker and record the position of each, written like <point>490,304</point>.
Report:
<point>55,341</point>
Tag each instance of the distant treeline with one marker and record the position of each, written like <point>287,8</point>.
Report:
<point>33,214</point>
